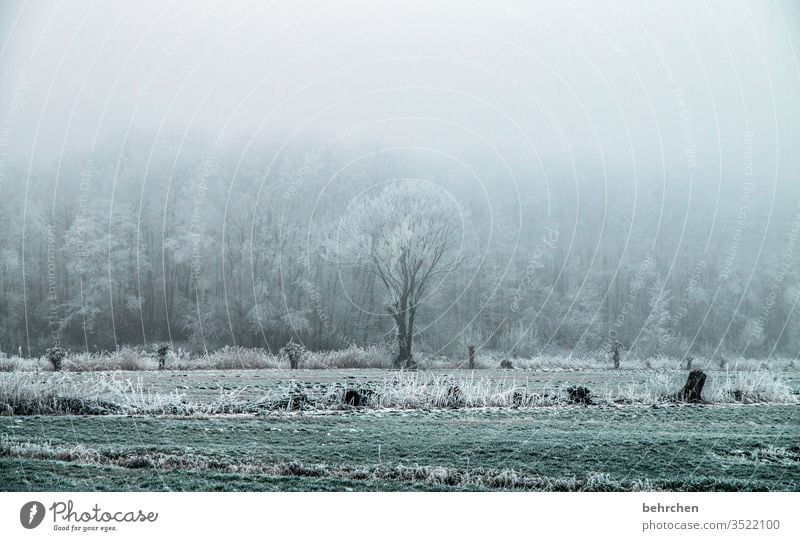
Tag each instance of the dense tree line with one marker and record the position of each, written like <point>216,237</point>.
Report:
<point>205,246</point>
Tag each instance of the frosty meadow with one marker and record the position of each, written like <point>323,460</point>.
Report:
<point>399,246</point>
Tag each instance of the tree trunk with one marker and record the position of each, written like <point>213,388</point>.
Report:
<point>404,346</point>
<point>402,349</point>
<point>410,338</point>
<point>405,337</point>
<point>404,358</point>
<point>471,351</point>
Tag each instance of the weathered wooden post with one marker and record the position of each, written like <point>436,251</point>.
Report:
<point>693,390</point>
<point>162,352</point>
<point>689,363</point>
<point>471,351</point>
<point>293,351</point>
<point>615,352</point>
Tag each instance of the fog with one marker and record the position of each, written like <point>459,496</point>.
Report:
<point>172,171</point>
<point>618,79</point>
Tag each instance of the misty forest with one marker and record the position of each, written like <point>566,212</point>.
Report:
<point>399,245</point>
<point>191,247</point>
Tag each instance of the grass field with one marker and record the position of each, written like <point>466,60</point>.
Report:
<point>416,436</point>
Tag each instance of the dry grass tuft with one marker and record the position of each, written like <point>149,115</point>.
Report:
<point>228,358</point>
<point>9,364</point>
<point>350,357</point>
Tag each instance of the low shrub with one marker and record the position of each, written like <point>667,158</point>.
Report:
<point>56,357</point>
<point>579,395</point>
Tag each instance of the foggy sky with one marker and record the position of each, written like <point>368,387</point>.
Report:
<point>641,85</point>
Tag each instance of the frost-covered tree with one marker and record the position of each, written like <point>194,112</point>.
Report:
<point>655,334</point>
<point>407,236</point>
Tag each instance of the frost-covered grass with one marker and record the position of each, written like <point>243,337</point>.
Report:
<point>373,357</point>
<point>769,454</point>
<point>124,359</point>
<point>602,361</point>
<point>274,429</point>
<point>58,393</point>
<point>421,390</point>
<point>226,358</point>
<point>351,357</point>
<point>749,387</point>
<point>437,476</point>
<point>212,392</point>
<point>27,393</point>
<point>9,364</point>
<point>599,449</point>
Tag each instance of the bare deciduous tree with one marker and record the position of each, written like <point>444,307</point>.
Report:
<point>406,236</point>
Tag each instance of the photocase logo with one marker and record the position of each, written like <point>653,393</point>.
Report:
<point>31,514</point>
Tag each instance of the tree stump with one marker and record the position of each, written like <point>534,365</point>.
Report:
<point>471,351</point>
<point>693,390</point>
<point>689,363</point>
<point>358,397</point>
<point>352,398</point>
